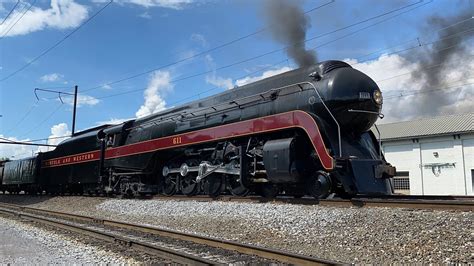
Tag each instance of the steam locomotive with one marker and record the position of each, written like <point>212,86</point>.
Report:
<point>303,132</point>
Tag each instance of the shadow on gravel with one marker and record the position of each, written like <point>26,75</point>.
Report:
<point>23,199</point>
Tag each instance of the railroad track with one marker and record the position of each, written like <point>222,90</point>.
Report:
<point>107,230</point>
<point>451,203</point>
<point>458,203</point>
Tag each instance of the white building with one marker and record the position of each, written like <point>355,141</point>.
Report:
<point>433,156</point>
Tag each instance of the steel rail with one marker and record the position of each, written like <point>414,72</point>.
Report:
<point>175,256</point>
<point>267,253</point>
<point>459,203</point>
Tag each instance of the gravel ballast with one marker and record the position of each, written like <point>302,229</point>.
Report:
<point>25,244</point>
<point>359,235</point>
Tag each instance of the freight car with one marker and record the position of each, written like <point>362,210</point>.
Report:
<point>303,132</point>
<point>21,175</point>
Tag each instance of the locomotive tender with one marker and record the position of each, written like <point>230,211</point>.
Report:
<point>303,132</point>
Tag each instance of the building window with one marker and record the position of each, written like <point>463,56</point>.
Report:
<point>472,180</point>
<point>401,182</point>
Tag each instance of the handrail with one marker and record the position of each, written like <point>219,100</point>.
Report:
<point>330,113</point>
<point>380,141</point>
<point>174,116</point>
<point>260,98</point>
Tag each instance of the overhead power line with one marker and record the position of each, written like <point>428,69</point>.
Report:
<point>5,139</point>
<point>11,11</point>
<point>418,45</point>
<point>25,143</point>
<point>401,95</point>
<point>49,138</point>
<point>198,54</point>
<point>22,15</point>
<point>369,26</point>
<point>392,11</point>
<point>247,59</point>
<point>419,69</point>
<point>56,44</point>
<point>44,120</point>
<point>21,119</point>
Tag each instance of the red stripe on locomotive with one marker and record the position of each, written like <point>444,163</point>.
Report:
<point>293,119</point>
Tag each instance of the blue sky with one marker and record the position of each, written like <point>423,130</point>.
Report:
<point>133,36</point>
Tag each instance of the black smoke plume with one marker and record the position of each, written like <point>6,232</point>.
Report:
<point>450,50</point>
<point>288,25</point>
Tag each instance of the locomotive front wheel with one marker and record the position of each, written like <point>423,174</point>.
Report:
<point>319,185</point>
<point>236,188</point>
<point>170,185</point>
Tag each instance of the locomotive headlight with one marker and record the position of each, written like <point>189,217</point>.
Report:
<point>378,97</point>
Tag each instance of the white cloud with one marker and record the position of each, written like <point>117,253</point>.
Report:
<point>112,121</point>
<point>63,14</point>
<point>225,83</point>
<point>57,133</point>
<point>228,83</point>
<point>15,151</point>
<point>51,77</point>
<point>82,100</point>
<point>266,74</point>
<point>213,79</point>
<point>403,102</point>
<point>200,39</point>
<point>158,85</point>
<point>106,87</point>
<point>145,15</point>
<point>173,4</point>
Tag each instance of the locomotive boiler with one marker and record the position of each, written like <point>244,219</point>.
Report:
<point>303,132</point>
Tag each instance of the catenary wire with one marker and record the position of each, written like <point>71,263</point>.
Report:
<point>419,45</point>
<point>363,21</point>
<point>206,72</point>
<point>256,57</point>
<point>216,88</point>
<point>198,54</point>
<point>251,58</point>
<point>22,118</point>
<point>235,40</point>
<point>22,15</point>
<point>44,120</point>
<point>385,98</point>
<point>56,44</point>
<point>412,40</point>
<point>369,26</point>
<point>11,11</point>
<point>418,69</point>
<point>459,86</point>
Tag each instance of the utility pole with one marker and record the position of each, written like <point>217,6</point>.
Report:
<point>74,111</point>
<point>59,96</point>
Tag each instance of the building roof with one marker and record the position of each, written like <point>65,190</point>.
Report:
<point>441,125</point>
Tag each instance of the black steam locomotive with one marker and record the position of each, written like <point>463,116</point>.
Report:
<point>303,132</point>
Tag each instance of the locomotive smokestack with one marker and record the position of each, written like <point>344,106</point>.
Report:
<point>288,25</point>
<point>436,63</point>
